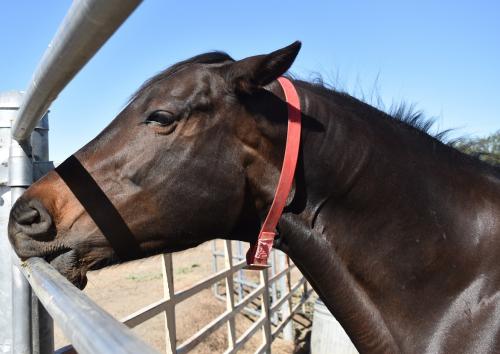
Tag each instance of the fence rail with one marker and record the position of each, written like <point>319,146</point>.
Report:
<point>89,328</point>
<point>86,27</point>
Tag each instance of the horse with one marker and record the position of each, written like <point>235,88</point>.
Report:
<point>396,231</point>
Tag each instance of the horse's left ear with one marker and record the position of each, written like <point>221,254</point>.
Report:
<point>250,73</point>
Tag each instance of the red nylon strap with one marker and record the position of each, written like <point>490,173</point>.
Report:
<point>258,253</point>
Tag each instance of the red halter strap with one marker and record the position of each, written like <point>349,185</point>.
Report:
<point>259,252</point>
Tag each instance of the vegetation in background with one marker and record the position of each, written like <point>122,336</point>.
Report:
<point>486,149</point>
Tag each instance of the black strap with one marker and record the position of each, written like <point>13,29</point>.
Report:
<point>100,208</point>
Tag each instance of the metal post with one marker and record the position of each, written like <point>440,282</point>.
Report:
<point>42,323</point>
<point>20,176</point>
<point>32,326</point>
<point>9,103</point>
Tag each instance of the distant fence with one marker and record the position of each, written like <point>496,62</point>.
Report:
<point>25,325</point>
<point>280,304</point>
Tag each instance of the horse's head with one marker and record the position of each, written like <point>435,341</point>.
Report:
<point>190,158</point>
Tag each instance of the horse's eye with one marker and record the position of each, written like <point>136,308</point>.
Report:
<point>163,118</point>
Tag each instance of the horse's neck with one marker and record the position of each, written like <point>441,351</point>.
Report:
<point>322,179</point>
<point>367,229</point>
<point>324,269</point>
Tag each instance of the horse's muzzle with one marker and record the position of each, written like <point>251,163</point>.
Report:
<point>29,218</point>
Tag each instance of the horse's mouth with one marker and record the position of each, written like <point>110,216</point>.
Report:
<point>66,262</point>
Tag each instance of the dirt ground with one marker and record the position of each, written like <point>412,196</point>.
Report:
<point>124,289</point>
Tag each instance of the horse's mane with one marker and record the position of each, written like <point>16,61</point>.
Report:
<point>404,115</point>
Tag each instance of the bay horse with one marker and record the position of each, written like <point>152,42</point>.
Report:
<point>397,232</point>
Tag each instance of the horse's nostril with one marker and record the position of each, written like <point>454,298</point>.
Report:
<point>32,219</point>
<point>28,217</point>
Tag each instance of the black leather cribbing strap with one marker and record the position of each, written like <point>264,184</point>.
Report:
<point>100,208</point>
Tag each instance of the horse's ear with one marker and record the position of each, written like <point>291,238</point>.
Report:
<point>250,73</point>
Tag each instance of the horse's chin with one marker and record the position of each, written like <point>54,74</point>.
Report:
<point>67,264</point>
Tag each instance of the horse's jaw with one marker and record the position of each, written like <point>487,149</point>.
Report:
<point>67,264</point>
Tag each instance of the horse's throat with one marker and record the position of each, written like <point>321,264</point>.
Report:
<point>330,278</point>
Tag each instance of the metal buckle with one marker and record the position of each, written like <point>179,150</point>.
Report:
<point>256,266</point>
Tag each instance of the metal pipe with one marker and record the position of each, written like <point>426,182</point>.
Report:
<point>42,328</point>
<point>284,287</point>
<point>42,324</point>
<point>40,140</point>
<point>32,328</point>
<point>86,27</point>
<point>240,276</point>
<point>9,103</point>
<point>21,312</point>
<point>88,327</point>
<point>20,177</point>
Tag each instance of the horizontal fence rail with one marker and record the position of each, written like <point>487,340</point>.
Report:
<point>86,27</point>
<point>89,328</point>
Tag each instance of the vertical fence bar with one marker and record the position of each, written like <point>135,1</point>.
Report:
<point>168,291</point>
<point>266,309</point>
<point>43,328</point>
<point>214,266</point>
<point>240,277</point>
<point>43,325</point>
<point>303,298</point>
<point>285,288</point>
<point>231,326</point>
<point>274,292</point>
<point>21,312</point>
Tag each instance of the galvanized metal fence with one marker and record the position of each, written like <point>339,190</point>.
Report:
<point>280,306</point>
<point>32,293</point>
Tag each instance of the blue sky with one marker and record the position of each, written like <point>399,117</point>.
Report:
<point>443,56</point>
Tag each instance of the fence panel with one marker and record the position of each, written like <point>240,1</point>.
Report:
<point>277,306</point>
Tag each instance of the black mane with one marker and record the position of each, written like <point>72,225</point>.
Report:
<point>404,113</point>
